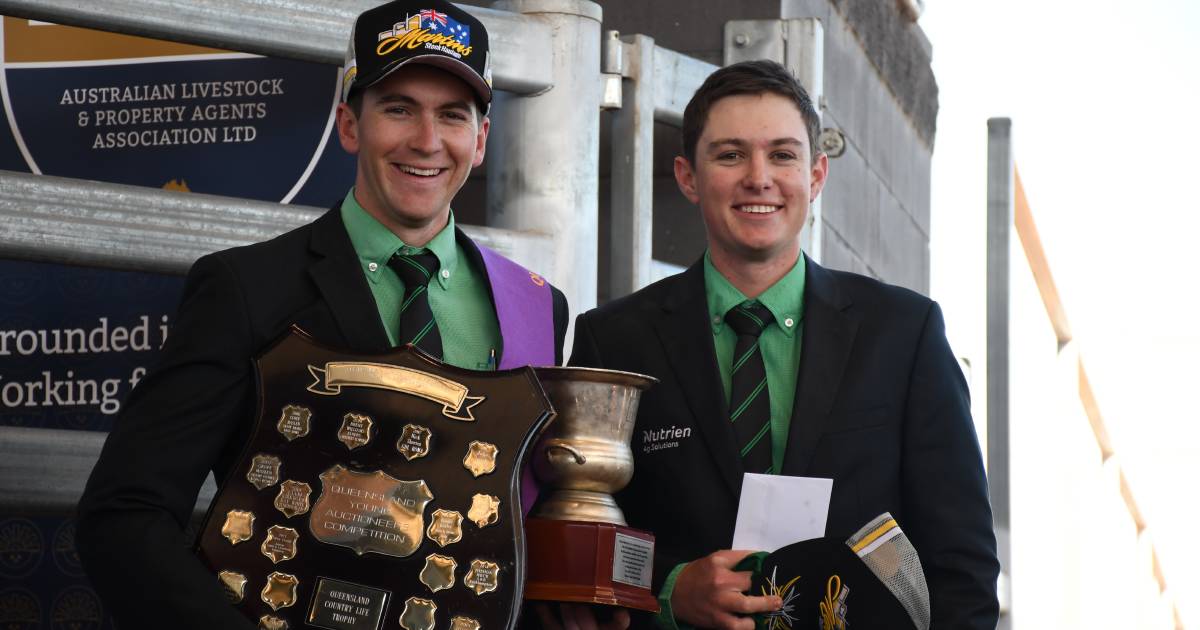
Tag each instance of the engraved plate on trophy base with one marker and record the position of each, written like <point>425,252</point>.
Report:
<point>587,561</point>
<point>341,605</point>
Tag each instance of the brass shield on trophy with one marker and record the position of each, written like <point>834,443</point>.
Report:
<point>377,491</point>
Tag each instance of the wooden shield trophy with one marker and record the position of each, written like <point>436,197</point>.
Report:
<point>377,491</point>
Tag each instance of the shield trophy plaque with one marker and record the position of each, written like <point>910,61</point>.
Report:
<point>377,491</point>
<point>580,547</point>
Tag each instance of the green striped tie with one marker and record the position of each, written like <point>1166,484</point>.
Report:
<point>749,401</point>
<point>417,325</point>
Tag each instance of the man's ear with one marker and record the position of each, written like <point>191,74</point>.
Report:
<point>347,128</point>
<point>820,170</point>
<point>685,176</point>
<point>481,141</point>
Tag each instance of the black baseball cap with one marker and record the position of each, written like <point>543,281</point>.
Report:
<point>430,32</point>
<point>870,581</point>
<point>823,580</point>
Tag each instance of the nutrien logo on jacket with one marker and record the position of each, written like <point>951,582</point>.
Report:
<point>659,439</point>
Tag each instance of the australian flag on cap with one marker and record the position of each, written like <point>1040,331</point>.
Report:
<point>441,24</point>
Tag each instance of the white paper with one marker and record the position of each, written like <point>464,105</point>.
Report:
<point>776,511</point>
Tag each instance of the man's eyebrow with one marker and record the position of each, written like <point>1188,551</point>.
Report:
<point>738,142</point>
<point>720,142</point>
<point>397,97</point>
<point>786,141</point>
<point>404,99</point>
<point>463,105</point>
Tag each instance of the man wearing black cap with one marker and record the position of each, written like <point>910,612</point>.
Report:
<point>769,363</point>
<point>384,267</point>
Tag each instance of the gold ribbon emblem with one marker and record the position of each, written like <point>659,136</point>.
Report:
<point>833,608</point>
<point>452,395</point>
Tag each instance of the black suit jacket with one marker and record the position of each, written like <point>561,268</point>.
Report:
<point>195,411</point>
<point>881,407</point>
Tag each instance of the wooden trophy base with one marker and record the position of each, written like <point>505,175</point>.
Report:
<point>589,562</point>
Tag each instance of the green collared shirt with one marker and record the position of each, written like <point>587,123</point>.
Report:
<point>780,342</point>
<point>458,295</point>
<point>780,345</point>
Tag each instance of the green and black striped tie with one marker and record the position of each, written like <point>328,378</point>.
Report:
<point>417,325</point>
<point>749,401</point>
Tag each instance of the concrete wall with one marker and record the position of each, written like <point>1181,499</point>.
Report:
<point>879,90</point>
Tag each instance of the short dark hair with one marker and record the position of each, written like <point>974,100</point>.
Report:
<point>747,77</point>
<point>356,102</point>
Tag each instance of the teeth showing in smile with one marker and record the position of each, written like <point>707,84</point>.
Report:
<point>423,172</point>
<point>757,209</point>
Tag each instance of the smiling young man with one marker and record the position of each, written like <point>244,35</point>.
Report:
<point>417,134</point>
<point>384,267</point>
<point>770,363</point>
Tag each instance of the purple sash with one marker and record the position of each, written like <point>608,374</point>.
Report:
<point>525,309</point>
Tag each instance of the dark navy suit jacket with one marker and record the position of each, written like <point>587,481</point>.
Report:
<point>881,407</point>
<point>195,411</point>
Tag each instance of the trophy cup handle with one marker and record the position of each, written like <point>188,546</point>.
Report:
<point>572,451</point>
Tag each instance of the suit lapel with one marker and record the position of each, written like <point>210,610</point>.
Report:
<point>829,329</point>
<point>687,338</point>
<point>340,280</point>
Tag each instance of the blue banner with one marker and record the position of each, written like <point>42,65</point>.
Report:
<point>42,584</point>
<point>75,340</point>
<point>102,106</point>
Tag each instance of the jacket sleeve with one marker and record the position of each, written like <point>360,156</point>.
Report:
<point>176,425</point>
<point>561,319</point>
<point>584,352</point>
<point>945,495</point>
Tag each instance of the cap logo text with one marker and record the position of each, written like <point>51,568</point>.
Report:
<point>429,28</point>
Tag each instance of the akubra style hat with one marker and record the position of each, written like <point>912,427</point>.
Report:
<point>430,32</point>
<point>872,581</point>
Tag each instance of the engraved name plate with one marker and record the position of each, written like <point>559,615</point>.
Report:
<point>264,471</point>
<point>370,512</point>
<point>445,527</point>
<point>339,605</point>
<point>483,577</point>
<point>293,498</point>
<point>294,421</point>
<point>280,543</point>
<point>356,430</point>
<point>414,441</point>
<point>480,458</point>
<point>632,560</point>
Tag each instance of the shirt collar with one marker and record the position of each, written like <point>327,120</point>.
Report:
<point>785,298</point>
<point>375,244</point>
